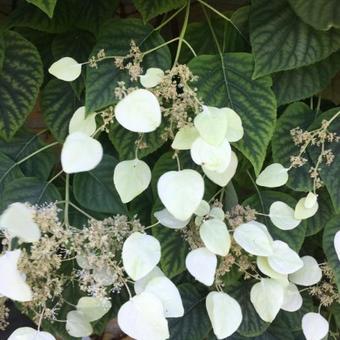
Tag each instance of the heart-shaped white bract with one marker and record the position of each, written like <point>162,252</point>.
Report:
<point>223,178</point>
<point>274,175</point>
<point>181,192</point>
<point>337,244</point>
<point>140,284</point>
<point>310,274</point>
<point>28,333</point>
<point>80,122</point>
<point>17,220</point>
<point>292,300</point>
<point>217,212</point>
<point>267,298</point>
<point>254,238</point>
<point>152,77</point>
<point>311,200</point>
<point>235,130</point>
<point>93,308</point>
<point>139,111</point>
<point>184,138</point>
<point>282,216</point>
<point>215,236</point>
<point>265,268</point>
<point>213,158</point>
<point>284,260</point>
<point>314,326</point>
<point>66,69</point>
<point>224,312</point>
<point>211,124</point>
<point>104,275</point>
<point>131,178</point>
<point>142,318</point>
<point>141,253</point>
<point>203,209</point>
<point>303,210</point>
<point>168,294</point>
<point>77,325</point>
<point>80,153</point>
<point>12,283</point>
<point>201,264</point>
<point>169,221</point>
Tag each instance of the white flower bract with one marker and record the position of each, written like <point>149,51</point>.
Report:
<point>66,69</point>
<point>165,218</point>
<point>274,175</point>
<point>310,273</point>
<point>93,308</point>
<point>77,325</point>
<point>152,77</point>
<point>140,284</point>
<point>282,216</point>
<point>28,333</point>
<point>80,122</point>
<point>235,130</point>
<point>337,244</point>
<point>184,138</point>
<point>303,210</point>
<point>292,300</point>
<point>314,326</point>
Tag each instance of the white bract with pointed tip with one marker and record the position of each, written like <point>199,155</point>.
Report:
<point>213,158</point>
<point>139,111</point>
<point>201,264</point>
<point>310,200</point>
<point>168,294</point>
<point>181,192</point>
<point>254,238</point>
<point>169,221</point>
<point>224,312</point>
<point>215,236</point>
<point>310,274</point>
<point>274,175</point>
<point>142,318</point>
<point>337,244</point>
<point>223,178</point>
<point>141,253</point>
<point>292,300</point>
<point>265,268</point>
<point>140,284</point>
<point>80,122</point>
<point>66,69</point>
<point>217,212</point>
<point>152,77</point>
<point>203,209</point>
<point>314,326</point>
<point>267,298</point>
<point>284,260</point>
<point>93,308</point>
<point>17,220</point>
<point>12,283</point>
<point>131,178</point>
<point>28,333</point>
<point>303,210</point>
<point>211,124</point>
<point>235,130</point>
<point>184,138</point>
<point>80,153</point>
<point>282,216</point>
<point>77,325</point>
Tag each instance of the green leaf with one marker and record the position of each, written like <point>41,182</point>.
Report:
<point>282,41</point>
<point>102,81</point>
<point>252,324</point>
<point>2,50</point>
<point>228,82</point>
<point>94,189</point>
<point>124,141</point>
<point>331,228</point>
<point>320,14</point>
<point>58,103</point>
<point>151,8</point>
<point>295,115</point>
<point>294,237</point>
<point>29,189</point>
<point>305,81</point>
<point>20,80</point>
<point>195,324</point>
<point>46,6</point>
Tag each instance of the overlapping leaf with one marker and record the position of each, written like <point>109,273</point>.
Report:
<point>46,6</point>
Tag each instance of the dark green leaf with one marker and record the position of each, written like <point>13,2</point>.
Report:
<point>294,237</point>
<point>46,6</point>
<point>295,115</point>
<point>95,190</point>
<point>102,81</point>
<point>320,14</point>
<point>20,80</point>
<point>282,41</point>
<point>58,103</point>
<point>151,8</point>
<point>2,50</point>
<point>227,82</point>
<point>331,228</point>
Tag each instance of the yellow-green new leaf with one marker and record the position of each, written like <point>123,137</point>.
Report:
<point>66,69</point>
